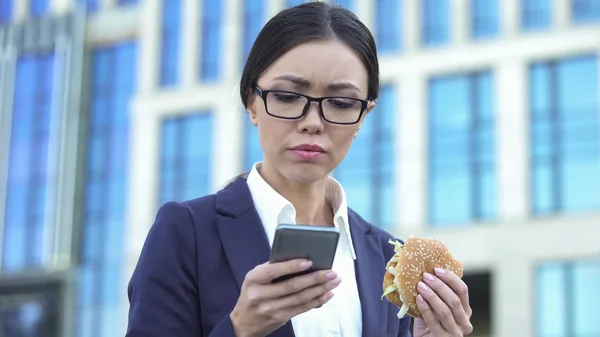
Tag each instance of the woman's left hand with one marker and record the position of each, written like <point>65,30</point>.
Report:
<point>444,305</point>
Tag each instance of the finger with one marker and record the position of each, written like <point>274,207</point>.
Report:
<point>314,303</point>
<point>451,300</point>
<point>439,309</point>
<point>300,283</point>
<point>267,272</point>
<point>458,286</point>
<point>307,295</point>
<point>434,325</point>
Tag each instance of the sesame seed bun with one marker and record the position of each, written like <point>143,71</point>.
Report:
<point>406,268</point>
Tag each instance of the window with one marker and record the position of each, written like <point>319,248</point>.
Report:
<point>186,157</point>
<point>484,18</point>
<point>6,11</point>
<point>387,25</point>
<point>567,299</point>
<point>565,135</point>
<point>461,165</point>
<point>536,14</point>
<point>367,172</point>
<point>292,3</point>
<point>435,18</point>
<point>171,34</point>
<point>28,175</point>
<point>254,16</point>
<point>211,41</point>
<point>90,5</point>
<point>252,149</point>
<point>127,2</point>
<point>349,4</point>
<point>106,175</point>
<point>38,7</point>
<point>585,11</point>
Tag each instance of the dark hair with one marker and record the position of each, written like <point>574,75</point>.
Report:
<point>308,22</point>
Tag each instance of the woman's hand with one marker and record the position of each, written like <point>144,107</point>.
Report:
<point>263,307</point>
<point>444,304</point>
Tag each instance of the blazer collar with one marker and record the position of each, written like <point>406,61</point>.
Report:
<point>370,269</point>
<point>243,237</point>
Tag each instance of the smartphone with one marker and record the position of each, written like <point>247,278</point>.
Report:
<point>315,243</point>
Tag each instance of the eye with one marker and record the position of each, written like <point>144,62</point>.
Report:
<point>341,103</point>
<point>286,97</point>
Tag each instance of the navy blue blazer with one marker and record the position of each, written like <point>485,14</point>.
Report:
<point>197,253</point>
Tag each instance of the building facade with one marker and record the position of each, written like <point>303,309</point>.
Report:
<point>486,135</point>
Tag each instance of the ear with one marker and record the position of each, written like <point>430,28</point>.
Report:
<point>251,110</point>
<point>370,107</point>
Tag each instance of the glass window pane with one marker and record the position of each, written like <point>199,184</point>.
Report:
<point>436,22</point>
<point>551,300</point>
<point>254,17</point>
<point>536,14</point>
<point>585,11</point>
<point>388,25</point>
<point>171,34</point>
<point>484,18</point>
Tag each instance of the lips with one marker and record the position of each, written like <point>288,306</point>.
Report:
<point>308,152</point>
<point>309,148</point>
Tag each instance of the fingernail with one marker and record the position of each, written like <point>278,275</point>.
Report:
<point>420,299</point>
<point>428,277</point>
<point>331,275</point>
<point>440,271</point>
<point>329,295</point>
<point>336,282</point>
<point>422,286</point>
<point>305,264</point>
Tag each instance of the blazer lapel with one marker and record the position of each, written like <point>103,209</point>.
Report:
<point>370,269</point>
<point>243,236</point>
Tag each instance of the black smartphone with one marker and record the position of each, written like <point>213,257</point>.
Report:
<point>315,243</point>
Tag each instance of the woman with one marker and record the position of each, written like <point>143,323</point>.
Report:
<point>203,269</point>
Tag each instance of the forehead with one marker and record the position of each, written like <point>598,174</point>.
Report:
<point>321,63</point>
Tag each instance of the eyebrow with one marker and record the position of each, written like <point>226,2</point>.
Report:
<point>305,83</point>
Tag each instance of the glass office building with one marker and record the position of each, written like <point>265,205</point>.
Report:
<point>486,135</point>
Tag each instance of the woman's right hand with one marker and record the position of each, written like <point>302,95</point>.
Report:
<point>263,307</point>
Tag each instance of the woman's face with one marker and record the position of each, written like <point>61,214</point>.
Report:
<point>317,69</point>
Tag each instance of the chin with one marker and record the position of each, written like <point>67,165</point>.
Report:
<point>305,174</point>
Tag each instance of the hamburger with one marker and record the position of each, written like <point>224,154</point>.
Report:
<point>406,268</point>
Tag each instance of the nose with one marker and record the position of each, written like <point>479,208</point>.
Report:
<point>312,122</point>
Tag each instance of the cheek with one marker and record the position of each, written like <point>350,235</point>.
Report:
<point>343,142</point>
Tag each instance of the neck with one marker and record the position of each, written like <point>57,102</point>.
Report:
<point>309,199</point>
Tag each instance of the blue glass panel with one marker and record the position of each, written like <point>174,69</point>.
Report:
<point>112,86</point>
<point>171,35</point>
<point>292,3</point>
<point>186,157</point>
<point>26,198</point>
<point>254,17</point>
<point>484,18</point>
<point>6,11</point>
<point>388,23</point>
<point>367,173</point>
<point>90,5</point>
<point>38,7</point>
<point>565,132</point>
<point>436,22</point>
<point>211,40</point>
<point>585,298</point>
<point>536,14</point>
<point>551,300</point>
<point>462,149</point>
<point>128,2</point>
<point>585,11</point>
<point>252,149</point>
<point>348,4</point>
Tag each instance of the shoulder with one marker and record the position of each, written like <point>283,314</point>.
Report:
<point>384,236</point>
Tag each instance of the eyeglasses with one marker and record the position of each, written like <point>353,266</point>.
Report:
<point>291,105</point>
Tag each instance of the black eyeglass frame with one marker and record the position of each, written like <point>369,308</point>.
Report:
<point>263,95</point>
